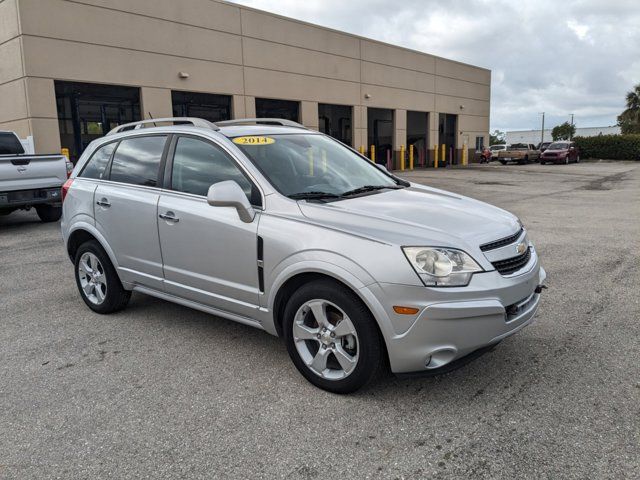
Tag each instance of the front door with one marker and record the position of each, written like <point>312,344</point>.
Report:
<point>209,254</point>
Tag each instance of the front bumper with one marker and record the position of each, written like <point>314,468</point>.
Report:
<point>454,322</point>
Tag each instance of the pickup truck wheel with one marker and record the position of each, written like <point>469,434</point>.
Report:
<point>503,162</point>
<point>331,337</point>
<point>49,213</point>
<point>97,280</point>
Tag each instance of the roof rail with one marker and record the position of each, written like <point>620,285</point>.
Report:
<point>196,122</point>
<point>261,121</point>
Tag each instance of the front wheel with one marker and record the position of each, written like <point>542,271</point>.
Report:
<point>331,337</point>
<point>49,213</point>
<point>97,280</point>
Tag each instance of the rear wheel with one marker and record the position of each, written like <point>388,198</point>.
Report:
<point>566,160</point>
<point>503,162</point>
<point>97,280</point>
<point>331,337</point>
<point>49,213</point>
<point>577,158</point>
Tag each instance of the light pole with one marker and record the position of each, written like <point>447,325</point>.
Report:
<point>542,130</point>
<point>571,136</point>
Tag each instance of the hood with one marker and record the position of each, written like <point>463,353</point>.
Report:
<point>416,215</point>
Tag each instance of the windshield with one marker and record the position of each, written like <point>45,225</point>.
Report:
<point>303,165</point>
<point>558,146</point>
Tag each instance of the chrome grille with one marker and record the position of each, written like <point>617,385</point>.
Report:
<point>502,242</point>
<point>513,264</point>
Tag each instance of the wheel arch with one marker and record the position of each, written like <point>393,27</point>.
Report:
<point>82,233</point>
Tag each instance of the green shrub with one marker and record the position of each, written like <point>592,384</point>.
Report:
<point>611,147</point>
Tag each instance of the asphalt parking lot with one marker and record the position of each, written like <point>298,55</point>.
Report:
<point>161,391</point>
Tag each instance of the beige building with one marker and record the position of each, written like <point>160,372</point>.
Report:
<point>71,70</point>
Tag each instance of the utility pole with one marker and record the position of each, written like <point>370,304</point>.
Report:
<point>542,130</point>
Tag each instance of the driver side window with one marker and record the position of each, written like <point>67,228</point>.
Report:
<point>198,164</point>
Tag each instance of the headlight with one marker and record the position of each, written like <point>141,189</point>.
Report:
<point>442,267</point>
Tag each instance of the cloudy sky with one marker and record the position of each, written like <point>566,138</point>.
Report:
<point>560,57</point>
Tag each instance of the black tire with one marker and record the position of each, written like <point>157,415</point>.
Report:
<point>371,350</point>
<point>116,297</point>
<point>503,162</point>
<point>49,213</point>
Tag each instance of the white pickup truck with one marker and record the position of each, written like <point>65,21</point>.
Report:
<point>28,181</point>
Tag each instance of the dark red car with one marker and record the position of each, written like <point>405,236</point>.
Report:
<point>560,152</point>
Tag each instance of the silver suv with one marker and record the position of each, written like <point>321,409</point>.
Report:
<point>267,223</point>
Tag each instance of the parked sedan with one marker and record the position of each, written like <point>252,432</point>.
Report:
<point>560,152</point>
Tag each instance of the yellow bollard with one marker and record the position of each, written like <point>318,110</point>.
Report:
<point>411,157</point>
<point>444,154</point>
<point>361,149</point>
<point>435,157</point>
<point>401,157</point>
<point>324,161</point>
<point>373,153</point>
<point>464,154</point>
<point>310,162</point>
<point>65,152</point>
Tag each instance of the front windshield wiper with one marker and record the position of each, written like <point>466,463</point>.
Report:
<point>312,195</point>
<point>369,188</point>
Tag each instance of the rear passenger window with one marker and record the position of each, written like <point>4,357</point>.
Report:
<point>197,165</point>
<point>98,162</point>
<point>137,160</point>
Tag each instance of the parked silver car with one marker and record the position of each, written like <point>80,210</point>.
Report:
<point>285,229</point>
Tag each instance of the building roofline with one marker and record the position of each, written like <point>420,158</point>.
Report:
<point>348,34</point>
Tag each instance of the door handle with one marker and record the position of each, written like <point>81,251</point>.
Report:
<point>169,217</point>
<point>103,202</point>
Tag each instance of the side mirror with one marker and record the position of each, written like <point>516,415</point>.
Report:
<point>229,194</point>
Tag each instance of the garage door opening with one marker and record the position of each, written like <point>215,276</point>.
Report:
<point>273,108</point>
<point>447,129</point>
<point>214,108</point>
<point>336,120</point>
<point>87,111</point>
<point>418,135</point>
<point>380,133</point>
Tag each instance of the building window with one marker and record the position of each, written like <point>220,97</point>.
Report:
<point>479,144</point>
<point>87,111</point>
<point>208,106</point>
<point>380,133</point>
<point>272,108</point>
<point>336,121</point>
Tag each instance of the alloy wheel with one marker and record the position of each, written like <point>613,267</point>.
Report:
<point>92,278</point>
<point>326,339</point>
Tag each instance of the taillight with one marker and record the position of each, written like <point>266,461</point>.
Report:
<point>69,168</point>
<point>65,187</point>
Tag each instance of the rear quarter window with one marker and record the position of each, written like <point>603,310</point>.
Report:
<point>95,167</point>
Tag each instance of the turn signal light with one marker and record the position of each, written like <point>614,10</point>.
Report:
<point>405,310</point>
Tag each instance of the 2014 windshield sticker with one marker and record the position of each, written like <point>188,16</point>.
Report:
<point>254,140</point>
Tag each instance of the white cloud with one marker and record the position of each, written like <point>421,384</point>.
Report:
<point>575,56</point>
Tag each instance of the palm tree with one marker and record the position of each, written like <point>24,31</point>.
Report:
<point>629,120</point>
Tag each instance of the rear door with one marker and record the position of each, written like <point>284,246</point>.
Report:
<point>126,208</point>
<point>210,255</point>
